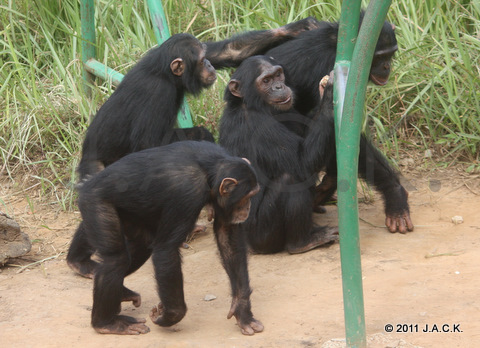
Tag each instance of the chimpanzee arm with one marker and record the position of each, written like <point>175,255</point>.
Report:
<point>319,143</point>
<point>374,168</point>
<point>231,52</point>
<point>233,251</point>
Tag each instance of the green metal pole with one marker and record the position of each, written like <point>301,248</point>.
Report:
<point>87,15</point>
<point>160,28</point>
<point>349,108</point>
<point>159,21</point>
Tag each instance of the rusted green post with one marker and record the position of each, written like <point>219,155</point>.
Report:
<point>353,61</point>
<point>87,15</point>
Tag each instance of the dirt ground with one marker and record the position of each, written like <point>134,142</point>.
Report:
<point>427,277</point>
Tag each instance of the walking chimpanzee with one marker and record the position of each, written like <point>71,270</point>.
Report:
<point>128,215</point>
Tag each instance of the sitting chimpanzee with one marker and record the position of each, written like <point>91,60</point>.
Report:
<point>286,163</point>
<point>142,111</point>
<point>259,105</point>
<point>128,215</point>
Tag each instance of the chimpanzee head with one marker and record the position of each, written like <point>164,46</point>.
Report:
<point>382,58</point>
<point>182,58</point>
<point>259,82</point>
<point>235,184</point>
<point>384,51</point>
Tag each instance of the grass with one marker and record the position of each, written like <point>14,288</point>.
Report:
<point>432,101</point>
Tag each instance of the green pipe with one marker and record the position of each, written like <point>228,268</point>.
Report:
<point>101,70</point>
<point>87,15</point>
<point>159,22</point>
<point>349,118</point>
<point>160,28</point>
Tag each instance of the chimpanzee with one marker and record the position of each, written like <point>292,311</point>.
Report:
<point>128,215</point>
<point>311,55</point>
<point>286,163</point>
<point>142,111</point>
<point>259,105</point>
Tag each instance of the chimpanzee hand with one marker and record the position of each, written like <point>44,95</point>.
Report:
<point>397,212</point>
<point>399,223</point>
<point>295,28</point>
<point>163,317</point>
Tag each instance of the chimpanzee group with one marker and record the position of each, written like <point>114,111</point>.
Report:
<point>143,182</point>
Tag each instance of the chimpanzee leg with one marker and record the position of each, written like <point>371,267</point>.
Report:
<point>105,234</point>
<point>375,169</point>
<point>302,234</point>
<point>168,274</point>
<point>265,230</point>
<point>284,219</point>
<point>80,252</point>
<point>139,252</point>
<point>233,251</point>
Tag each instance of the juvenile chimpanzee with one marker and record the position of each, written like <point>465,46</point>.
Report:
<point>311,55</point>
<point>142,111</point>
<point>128,215</point>
<point>286,163</point>
<point>140,114</point>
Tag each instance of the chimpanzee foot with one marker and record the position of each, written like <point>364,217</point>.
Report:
<point>240,309</point>
<point>129,295</point>
<point>124,325</point>
<point>399,223</point>
<point>250,328</point>
<point>85,268</point>
<point>322,236</point>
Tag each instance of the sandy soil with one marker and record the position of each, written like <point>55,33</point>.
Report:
<point>427,277</point>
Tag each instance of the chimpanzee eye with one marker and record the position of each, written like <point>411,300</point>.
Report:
<point>266,80</point>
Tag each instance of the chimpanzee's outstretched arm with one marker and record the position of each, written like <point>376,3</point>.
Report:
<point>231,52</point>
<point>233,251</point>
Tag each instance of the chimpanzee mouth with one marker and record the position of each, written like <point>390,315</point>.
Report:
<point>379,81</point>
<point>283,102</point>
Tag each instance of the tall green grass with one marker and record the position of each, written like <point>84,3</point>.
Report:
<point>431,102</point>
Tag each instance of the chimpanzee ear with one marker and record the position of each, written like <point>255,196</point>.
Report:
<point>393,26</point>
<point>177,66</point>
<point>227,186</point>
<point>234,87</point>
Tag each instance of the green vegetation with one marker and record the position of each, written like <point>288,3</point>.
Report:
<point>431,102</point>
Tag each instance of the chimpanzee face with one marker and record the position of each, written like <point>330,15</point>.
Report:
<point>194,69</point>
<point>205,70</point>
<point>384,51</point>
<point>271,86</point>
